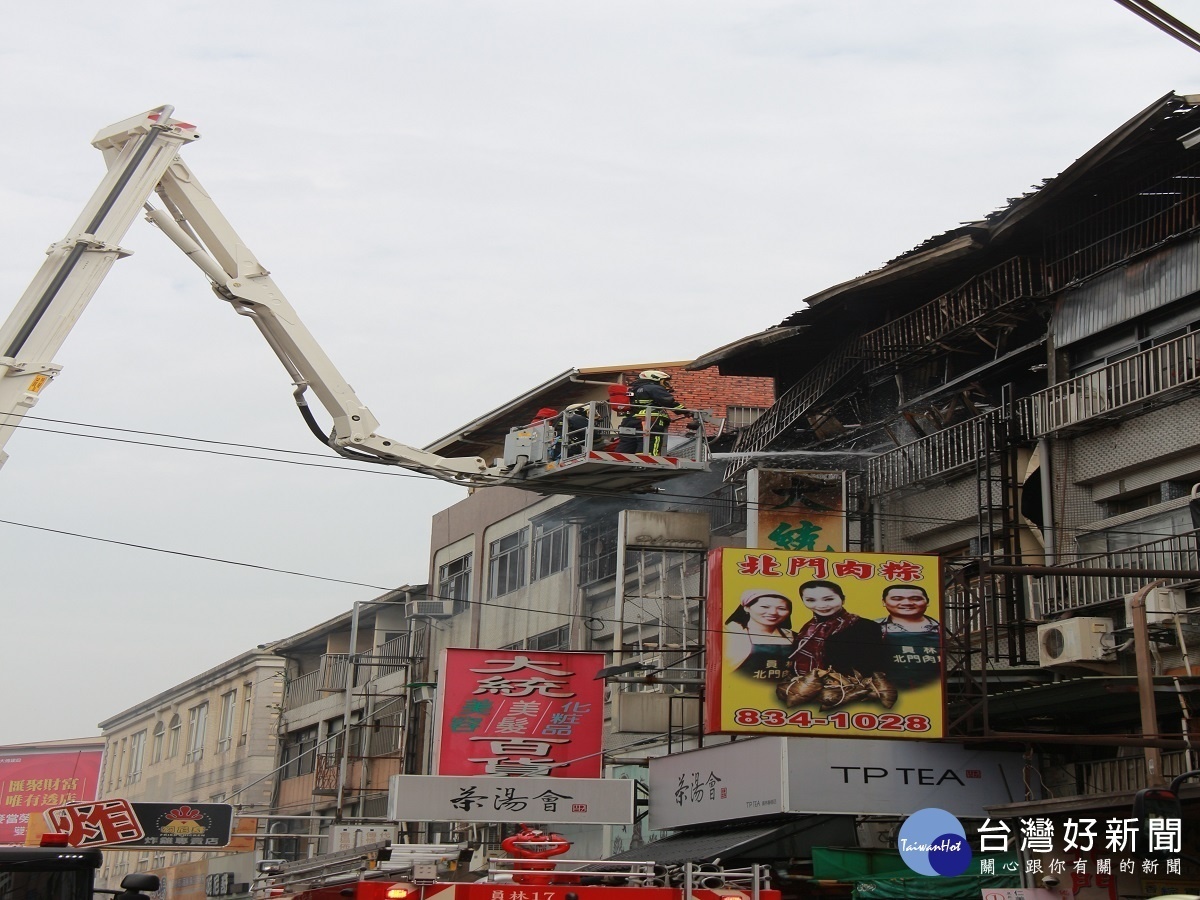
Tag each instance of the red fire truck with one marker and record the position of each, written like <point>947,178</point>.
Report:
<point>430,872</point>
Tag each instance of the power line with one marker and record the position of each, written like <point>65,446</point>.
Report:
<point>676,498</point>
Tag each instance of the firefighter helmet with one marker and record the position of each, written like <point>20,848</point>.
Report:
<point>654,375</point>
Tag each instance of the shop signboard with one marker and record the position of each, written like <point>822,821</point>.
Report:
<point>796,509</point>
<point>768,776</point>
<point>520,713</point>
<point>471,798</point>
<point>34,781</point>
<point>837,644</point>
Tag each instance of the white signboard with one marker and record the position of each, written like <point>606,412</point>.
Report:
<point>347,837</point>
<point>470,798</point>
<point>771,775</point>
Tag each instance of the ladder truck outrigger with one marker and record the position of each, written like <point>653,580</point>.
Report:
<point>143,157</point>
<point>386,871</point>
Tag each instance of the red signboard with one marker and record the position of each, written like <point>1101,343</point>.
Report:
<point>114,821</point>
<point>35,781</point>
<point>520,712</point>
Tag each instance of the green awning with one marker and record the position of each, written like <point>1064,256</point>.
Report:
<point>932,887</point>
<point>882,874</point>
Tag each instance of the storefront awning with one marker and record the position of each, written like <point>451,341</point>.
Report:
<point>790,839</point>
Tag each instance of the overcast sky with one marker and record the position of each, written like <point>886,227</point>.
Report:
<point>462,199</point>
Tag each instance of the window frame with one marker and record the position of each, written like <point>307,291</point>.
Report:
<point>160,734</point>
<point>507,563</point>
<point>197,726</point>
<point>247,708</point>
<point>225,730</point>
<point>551,551</point>
<point>137,757</point>
<point>454,581</point>
<point>174,733</point>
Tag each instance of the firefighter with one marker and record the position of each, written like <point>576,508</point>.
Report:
<point>651,398</point>
<point>576,419</point>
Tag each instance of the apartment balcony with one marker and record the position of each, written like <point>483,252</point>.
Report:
<point>1151,208</point>
<point>333,672</point>
<point>1126,773</point>
<point>991,298</point>
<point>948,452</point>
<point>1151,378</point>
<point>1051,595</point>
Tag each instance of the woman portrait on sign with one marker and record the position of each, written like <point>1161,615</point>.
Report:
<point>758,636</point>
<point>838,657</point>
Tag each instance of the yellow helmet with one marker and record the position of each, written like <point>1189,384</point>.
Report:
<point>654,375</point>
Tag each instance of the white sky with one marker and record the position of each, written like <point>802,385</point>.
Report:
<point>462,199</point>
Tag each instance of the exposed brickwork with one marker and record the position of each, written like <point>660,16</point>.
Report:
<point>709,389</point>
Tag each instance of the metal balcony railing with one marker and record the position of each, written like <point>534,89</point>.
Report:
<point>1151,375</point>
<point>1053,594</point>
<point>1119,389</point>
<point>302,690</point>
<point>838,365</point>
<point>1134,216</point>
<point>925,330</point>
<point>330,676</point>
<point>937,455</point>
<point>390,657</point>
<point>1126,773</point>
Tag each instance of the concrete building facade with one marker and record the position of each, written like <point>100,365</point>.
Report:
<point>209,739</point>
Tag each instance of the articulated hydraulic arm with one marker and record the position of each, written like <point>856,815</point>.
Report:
<point>143,158</point>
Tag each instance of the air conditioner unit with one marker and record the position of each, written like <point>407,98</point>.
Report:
<point>429,609</point>
<point>1073,640</point>
<point>1077,405</point>
<point>1161,606</point>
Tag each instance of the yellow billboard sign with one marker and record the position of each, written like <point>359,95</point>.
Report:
<point>838,644</point>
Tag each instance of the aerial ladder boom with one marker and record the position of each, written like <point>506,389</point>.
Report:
<point>143,160</point>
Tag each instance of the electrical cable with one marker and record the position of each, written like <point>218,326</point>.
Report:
<point>484,604</point>
<point>1164,22</point>
<point>665,496</point>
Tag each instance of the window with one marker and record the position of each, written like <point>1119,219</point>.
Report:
<point>197,720</point>
<point>506,569</point>
<point>120,762</point>
<point>598,550</point>
<point>137,752</point>
<point>173,736</point>
<point>554,639</point>
<point>299,757</point>
<point>159,860</point>
<point>228,709</point>
<point>160,732</point>
<point>551,544</point>
<point>244,735</point>
<point>454,581</point>
<point>742,416</point>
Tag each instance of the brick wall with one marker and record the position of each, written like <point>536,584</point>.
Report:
<point>709,389</point>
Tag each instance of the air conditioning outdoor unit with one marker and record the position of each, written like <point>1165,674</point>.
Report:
<point>1073,640</point>
<point>1077,405</point>
<point>1161,606</point>
<point>429,609</point>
